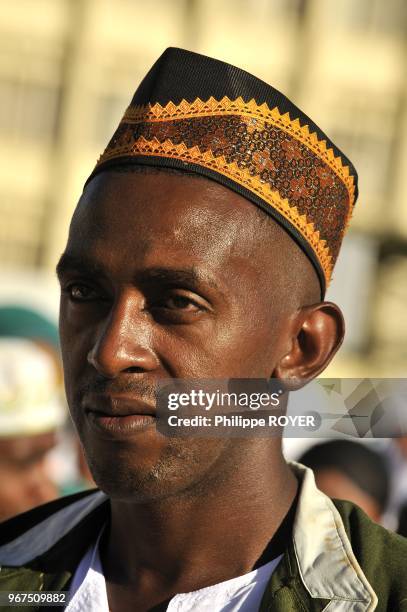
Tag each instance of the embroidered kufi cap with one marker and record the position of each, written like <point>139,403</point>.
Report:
<point>202,115</point>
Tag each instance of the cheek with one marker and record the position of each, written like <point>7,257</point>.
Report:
<point>251,350</point>
<point>233,347</point>
<point>75,347</point>
<point>77,319</point>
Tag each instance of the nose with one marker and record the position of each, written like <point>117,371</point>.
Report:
<point>124,340</point>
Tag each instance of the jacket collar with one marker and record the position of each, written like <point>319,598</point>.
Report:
<point>327,565</point>
<point>45,535</point>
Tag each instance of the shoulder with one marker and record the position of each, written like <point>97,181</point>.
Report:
<point>381,554</point>
<point>369,539</point>
<point>344,556</point>
<point>42,531</point>
<point>17,525</point>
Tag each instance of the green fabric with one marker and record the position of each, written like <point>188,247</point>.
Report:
<point>24,579</point>
<point>20,322</point>
<point>285,591</point>
<point>381,554</point>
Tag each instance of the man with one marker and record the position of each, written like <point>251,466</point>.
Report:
<point>350,470</point>
<point>31,408</point>
<point>30,414</point>
<point>201,248</point>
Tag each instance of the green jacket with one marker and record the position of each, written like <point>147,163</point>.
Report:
<point>337,559</point>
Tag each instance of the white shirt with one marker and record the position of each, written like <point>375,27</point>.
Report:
<point>325,562</point>
<point>241,594</point>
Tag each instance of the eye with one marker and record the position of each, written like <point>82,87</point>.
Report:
<point>181,302</point>
<point>179,306</point>
<point>79,292</point>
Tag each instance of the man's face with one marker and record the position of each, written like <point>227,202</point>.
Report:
<point>163,276</point>
<point>24,477</point>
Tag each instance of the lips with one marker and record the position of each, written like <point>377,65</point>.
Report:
<point>117,405</point>
<point>118,415</point>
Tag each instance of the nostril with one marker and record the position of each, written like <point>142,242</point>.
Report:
<point>134,370</point>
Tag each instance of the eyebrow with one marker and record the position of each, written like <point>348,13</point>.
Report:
<point>172,276</point>
<point>190,277</point>
<point>72,263</point>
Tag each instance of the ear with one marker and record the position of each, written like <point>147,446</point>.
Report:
<point>316,332</point>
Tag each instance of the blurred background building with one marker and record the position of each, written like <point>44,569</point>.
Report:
<point>68,69</point>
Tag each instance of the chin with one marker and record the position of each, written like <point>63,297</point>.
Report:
<point>121,480</point>
<point>179,468</point>
<point>133,481</point>
<point>132,490</point>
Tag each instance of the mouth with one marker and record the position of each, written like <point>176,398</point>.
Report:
<point>119,415</point>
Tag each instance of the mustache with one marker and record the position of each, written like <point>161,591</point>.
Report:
<point>138,387</point>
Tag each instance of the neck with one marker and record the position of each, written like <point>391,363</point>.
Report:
<point>207,536</point>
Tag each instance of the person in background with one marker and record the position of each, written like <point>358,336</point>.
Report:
<point>395,453</point>
<point>18,321</point>
<point>349,470</point>
<point>31,412</point>
<point>61,464</point>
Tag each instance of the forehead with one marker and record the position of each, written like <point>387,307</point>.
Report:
<point>165,217</point>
